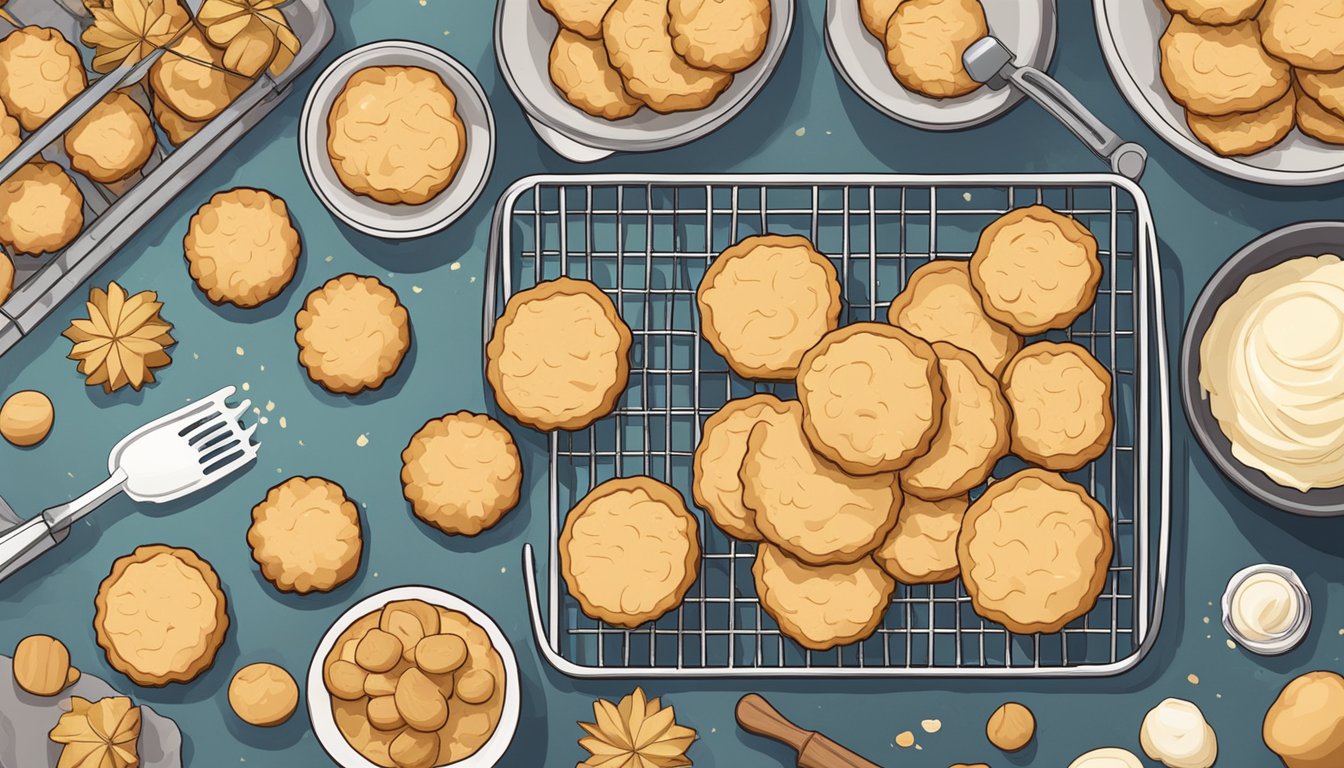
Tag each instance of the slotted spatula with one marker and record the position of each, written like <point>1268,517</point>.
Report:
<point>181,453</point>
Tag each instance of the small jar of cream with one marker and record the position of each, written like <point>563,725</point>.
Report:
<point>1266,609</point>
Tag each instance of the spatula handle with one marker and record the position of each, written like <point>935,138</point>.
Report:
<point>755,715</point>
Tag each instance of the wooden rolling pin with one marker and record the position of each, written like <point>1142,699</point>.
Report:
<point>814,750</point>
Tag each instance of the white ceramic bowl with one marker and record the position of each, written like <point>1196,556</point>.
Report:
<point>382,219</point>
<point>319,700</point>
<point>1026,27</point>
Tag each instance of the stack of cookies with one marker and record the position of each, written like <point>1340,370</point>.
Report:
<point>611,58</point>
<point>925,41</point>
<point>1247,71</point>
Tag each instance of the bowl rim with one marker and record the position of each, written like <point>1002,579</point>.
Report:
<point>323,722</point>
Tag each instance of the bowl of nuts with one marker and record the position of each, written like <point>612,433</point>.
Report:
<point>414,677</point>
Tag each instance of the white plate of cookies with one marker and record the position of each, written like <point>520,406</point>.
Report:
<point>1275,120</point>
<point>905,59</point>
<point>402,183</point>
<point>636,75</point>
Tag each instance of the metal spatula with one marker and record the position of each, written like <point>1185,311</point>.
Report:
<point>183,452</point>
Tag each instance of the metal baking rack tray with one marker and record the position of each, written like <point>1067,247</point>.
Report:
<point>646,241</point>
<point>114,213</point>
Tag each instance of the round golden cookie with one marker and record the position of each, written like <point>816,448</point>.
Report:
<point>872,397</point>
<point>1034,552</point>
<point>26,417</point>
<point>393,134</point>
<point>177,127</point>
<point>10,136</point>
<point>1318,122</point>
<point>766,301</point>
<point>352,334</point>
<point>461,473</point>
<point>241,247</point>
<point>1036,269</point>
<point>306,536</point>
<point>112,140</point>
<point>725,35</point>
<point>808,506</point>
<point>160,615</point>
<point>1060,397</point>
<point>263,695</point>
<point>41,209</point>
<point>973,432</point>
<point>1215,11</point>
<point>39,72</point>
<point>1247,133</point>
<point>922,548</point>
<point>1305,33</point>
<point>1325,88</point>
<point>939,303</point>
<point>715,483</point>
<point>580,69</point>
<point>820,607</point>
<point>875,15</point>
<point>1219,70</point>
<point>190,78</point>
<point>630,551</point>
<point>926,40</point>
<point>559,356</point>
<point>583,17</point>
<point>635,33</point>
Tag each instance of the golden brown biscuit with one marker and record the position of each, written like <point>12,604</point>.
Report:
<point>160,615</point>
<point>241,247</point>
<point>306,536</point>
<point>190,78</point>
<point>922,548</point>
<point>393,134</point>
<point>872,397</point>
<point>926,40</point>
<point>766,301</point>
<point>1219,70</point>
<point>1305,33</point>
<point>582,17</point>
<point>41,71</point>
<point>808,506</point>
<point>112,140</point>
<point>177,127</point>
<point>1326,88</point>
<point>1215,11</point>
<point>559,356</point>
<point>26,417</point>
<point>461,473</point>
<point>42,665</point>
<point>972,434</point>
<point>263,695</point>
<point>352,334</point>
<point>41,209</point>
<point>939,303</point>
<point>1036,269</point>
<point>10,137</point>
<point>638,43</point>
<point>1061,402</point>
<point>1304,726</point>
<point>1246,133</point>
<point>630,551</point>
<point>875,15</point>
<point>580,69</point>
<point>726,35</point>
<point>715,483</point>
<point>820,607</point>
<point>1318,122</point>
<point>1034,552</point>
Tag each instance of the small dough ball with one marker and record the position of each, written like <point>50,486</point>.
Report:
<point>413,749</point>
<point>476,686</point>
<point>345,680</point>
<point>379,651</point>
<point>1175,734</point>
<point>263,695</point>
<point>1305,725</point>
<point>41,665</point>
<point>383,715</point>
<point>439,654</point>
<point>384,683</point>
<point>26,418</point>
<point>1011,727</point>
<point>1107,757</point>
<point>420,702</point>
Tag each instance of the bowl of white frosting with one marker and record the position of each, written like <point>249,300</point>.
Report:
<point>1263,369</point>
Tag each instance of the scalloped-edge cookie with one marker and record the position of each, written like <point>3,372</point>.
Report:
<point>1219,70</point>
<point>1305,33</point>
<point>820,607</point>
<point>630,550</point>
<point>1318,122</point>
<point>41,209</point>
<point>939,303</point>
<point>306,536</point>
<point>922,548</point>
<point>639,44</point>
<point>461,473</point>
<point>715,484</point>
<point>241,247</point>
<point>580,70</point>
<point>113,140</point>
<point>1246,133</point>
<point>352,334</point>
<point>42,71</point>
<point>875,15</point>
<point>1060,397</point>
<point>583,17</point>
<point>723,35</point>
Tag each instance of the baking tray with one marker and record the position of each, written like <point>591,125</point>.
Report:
<point>646,241</point>
<point>114,213</point>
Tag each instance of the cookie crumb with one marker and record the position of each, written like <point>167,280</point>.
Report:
<point>270,406</point>
<point>238,351</point>
<point>1231,645</point>
<point>905,739</point>
<point>416,289</point>
<point>327,259</point>
<point>1206,619</point>
<point>455,266</point>
<point>283,424</point>
<point>263,421</point>
<point>931,726</point>
<point>1193,678</point>
<point>246,386</point>
<point>362,440</point>
<point>966,196</point>
<point>195,356</point>
<point>801,132</point>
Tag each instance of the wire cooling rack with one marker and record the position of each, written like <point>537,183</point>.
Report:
<point>647,240</point>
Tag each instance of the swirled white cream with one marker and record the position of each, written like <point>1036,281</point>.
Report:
<point>1272,365</point>
<point>1265,606</point>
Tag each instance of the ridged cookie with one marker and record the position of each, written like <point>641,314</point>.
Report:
<point>1246,133</point>
<point>352,334</point>
<point>821,607</point>
<point>306,536</point>
<point>112,140</point>
<point>639,44</point>
<point>583,17</point>
<point>926,40</point>
<point>1215,11</point>
<point>629,551</point>
<point>580,69</point>
<point>1318,122</point>
<point>41,72</point>
<point>723,35</point>
<point>922,548</point>
<point>559,356</point>
<point>1325,88</point>
<point>1219,70</point>
<point>939,303</point>
<point>1034,552</point>
<point>41,209</point>
<point>461,473</point>
<point>1305,33</point>
<point>241,247</point>
<point>808,506</point>
<point>766,301</point>
<point>715,483</point>
<point>872,397</point>
<point>1060,397</point>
